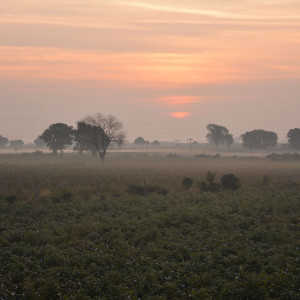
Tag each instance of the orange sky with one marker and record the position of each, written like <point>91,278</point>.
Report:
<point>234,63</point>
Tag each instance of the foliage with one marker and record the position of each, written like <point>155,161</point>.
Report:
<point>3,141</point>
<point>259,139</point>
<point>187,183</point>
<point>219,135</point>
<point>39,142</point>
<point>209,185</point>
<point>58,136</point>
<point>207,246</point>
<point>294,138</point>
<point>100,131</point>
<point>11,198</point>
<point>230,182</point>
<point>140,190</point>
<point>139,141</point>
<point>156,143</point>
<point>16,144</point>
<point>229,140</point>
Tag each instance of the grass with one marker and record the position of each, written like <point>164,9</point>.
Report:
<point>240,244</point>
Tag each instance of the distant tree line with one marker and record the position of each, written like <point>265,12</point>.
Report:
<point>256,139</point>
<point>99,132</point>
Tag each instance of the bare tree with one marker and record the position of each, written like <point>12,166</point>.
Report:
<point>100,132</point>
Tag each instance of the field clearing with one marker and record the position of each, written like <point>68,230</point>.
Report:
<point>241,244</point>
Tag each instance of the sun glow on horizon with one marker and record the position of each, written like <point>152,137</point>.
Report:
<point>180,114</point>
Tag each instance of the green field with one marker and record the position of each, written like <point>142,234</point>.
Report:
<point>241,244</point>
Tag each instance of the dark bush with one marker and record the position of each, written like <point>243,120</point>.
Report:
<point>209,185</point>
<point>212,187</point>
<point>157,189</point>
<point>11,199</point>
<point>230,182</point>
<point>187,183</point>
<point>139,190</point>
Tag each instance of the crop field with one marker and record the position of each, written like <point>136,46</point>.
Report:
<point>91,233</point>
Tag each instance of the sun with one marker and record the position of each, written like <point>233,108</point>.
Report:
<point>179,114</point>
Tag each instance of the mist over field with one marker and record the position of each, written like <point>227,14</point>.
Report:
<point>149,149</point>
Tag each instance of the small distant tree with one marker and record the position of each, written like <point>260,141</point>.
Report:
<point>58,136</point>
<point>140,141</point>
<point>3,141</point>
<point>156,143</point>
<point>16,144</point>
<point>259,139</point>
<point>216,134</point>
<point>294,138</point>
<point>229,140</point>
<point>100,131</point>
<point>39,142</point>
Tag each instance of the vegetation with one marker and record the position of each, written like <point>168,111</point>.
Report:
<point>259,139</point>
<point>230,182</point>
<point>219,135</point>
<point>241,244</point>
<point>57,137</point>
<point>209,185</point>
<point>39,142</point>
<point>139,141</point>
<point>98,132</point>
<point>294,138</point>
<point>16,144</point>
<point>3,141</point>
<point>187,183</point>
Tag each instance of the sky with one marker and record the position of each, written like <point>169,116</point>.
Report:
<point>165,68</point>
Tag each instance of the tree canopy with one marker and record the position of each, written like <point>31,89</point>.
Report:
<point>3,141</point>
<point>219,135</point>
<point>294,138</point>
<point>259,139</point>
<point>39,142</point>
<point>98,132</point>
<point>16,144</point>
<point>140,141</point>
<point>58,136</point>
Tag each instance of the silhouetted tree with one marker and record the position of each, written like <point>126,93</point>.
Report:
<point>229,140</point>
<point>80,140</point>
<point>100,131</point>
<point>3,141</point>
<point>16,144</point>
<point>39,142</point>
<point>140,141</point>
<point>58,136</point>
<point>294,138</point>
<point>259,139</point>
<point>216,134</point>
<point>156,143</point>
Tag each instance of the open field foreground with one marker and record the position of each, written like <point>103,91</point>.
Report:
<point>231,244</point>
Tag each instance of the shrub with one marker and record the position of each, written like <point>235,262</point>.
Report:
<point>187,182</point>
<point>212,187</point>
<point>139,190</point>
<point>11,199</point>
<point>230,182</point>
<point>209,185</point>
